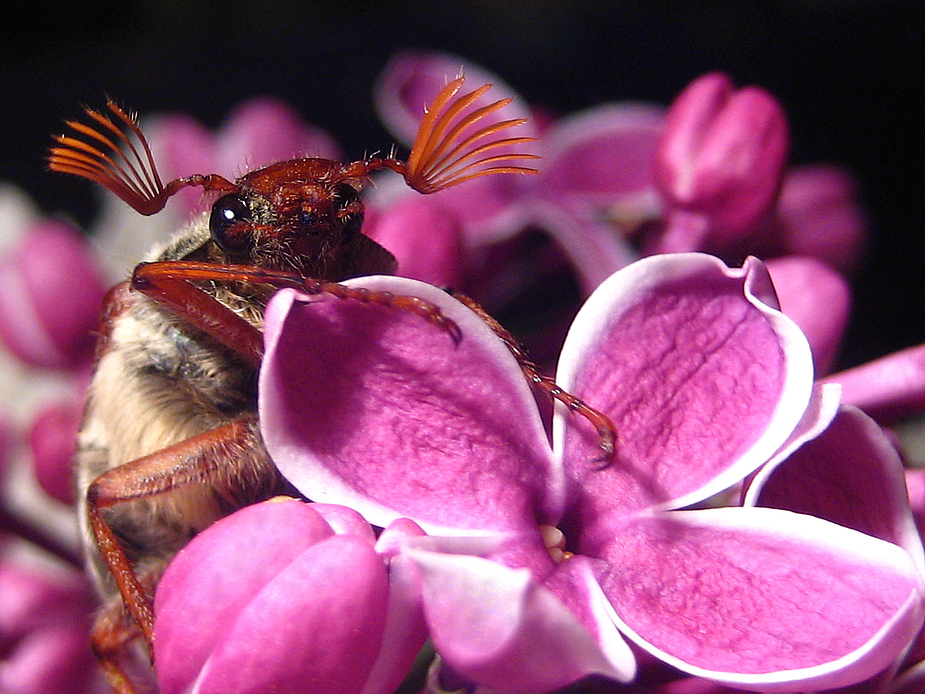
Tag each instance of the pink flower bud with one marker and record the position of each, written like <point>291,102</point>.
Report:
<point>52,438</point>
<point>44,622</point>
<point>722,154</point>
<point>50,298</point>
<point>305,609</point>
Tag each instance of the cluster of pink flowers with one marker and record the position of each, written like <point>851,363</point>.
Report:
<point>755,530</point>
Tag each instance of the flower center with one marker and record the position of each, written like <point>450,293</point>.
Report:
<point>554,539</point>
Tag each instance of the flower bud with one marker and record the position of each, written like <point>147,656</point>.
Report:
<point>722,154</point>
<point>304,610</point>
<point>52,437</point>
<point>50,298</point>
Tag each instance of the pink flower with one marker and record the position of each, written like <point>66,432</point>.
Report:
<point>592,163</point>
<point>53,442</point>
<point>721,155</point>
<point>622,180</point>
<point>313,604</point>
<point>50,297</point>
<point>44,621</point>
<point>704,380</point>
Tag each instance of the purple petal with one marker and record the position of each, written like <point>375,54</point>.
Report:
<point>405,630</point>
<point>702,381</point>
<point>50,297</point>
<point>851,475</point>
<point>424,237</point>
<point>915,485</point>
<point>317,626</point>
<point>803,285</point>
<point>820,215</point>
<point>886,388</point>
<point>600,156</point>
<point>761,598</point>
<point>498,627</point>
<point>52,440</point>
<point>208,577</point>
<point>374,408</point>
<point>823,406</point>
<point>45,615</point>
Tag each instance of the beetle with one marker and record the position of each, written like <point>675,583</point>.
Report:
<point>169,441</point>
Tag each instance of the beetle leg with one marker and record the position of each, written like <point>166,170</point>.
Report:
<point>171,284</point>
<point>606,431</point>
<point>210,459</point>
<point>175,291</point>
<point>114,633</point>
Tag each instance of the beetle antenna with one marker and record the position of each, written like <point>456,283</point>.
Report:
<point>447,151</point>
<point>109,157</point>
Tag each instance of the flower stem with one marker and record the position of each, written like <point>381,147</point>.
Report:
<point>14,525</point>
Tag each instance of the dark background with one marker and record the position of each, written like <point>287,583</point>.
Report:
<point>847,72</point>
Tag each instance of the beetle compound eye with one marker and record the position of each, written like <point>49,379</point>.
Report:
<point>224,224</point>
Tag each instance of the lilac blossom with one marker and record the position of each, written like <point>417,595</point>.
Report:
<point>578,182</point>
<point>704,379</point>
<point>625,179</point>
<point>45,615</point>
<point>849,473</point>
<point>315,604</point>
<point>50,296</point>
<point>719,161</point>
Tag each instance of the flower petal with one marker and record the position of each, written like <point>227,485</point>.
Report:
<point>422,235</point>
<point>316,627</point>
<point>761,598</point>
<point>405,630</point>
<point>50,297</point>
<point>702,380</point>
<point>823,406</point>
<point>804,284</point>
<point>886,388</point>
<point>601,155</point>
<point>373,407</point>
<point>499,627</point>
<point>203,576</point>
<point>851,475</point>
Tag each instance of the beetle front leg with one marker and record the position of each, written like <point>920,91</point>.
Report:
<point>170,282</point>
<point>606,431</point>
<point>211,459</point>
